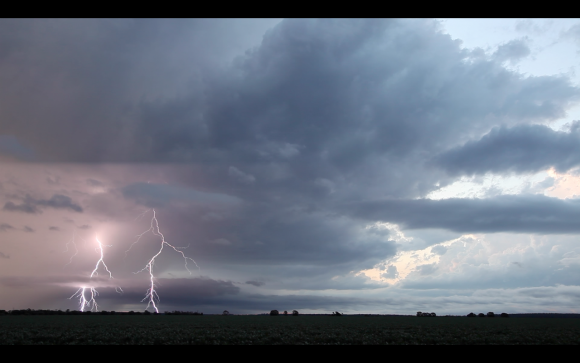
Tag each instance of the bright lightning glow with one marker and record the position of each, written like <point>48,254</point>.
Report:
<point>151,294</point>
<point>100,261</point>
<point>80,293</point>
<point>83,302</point>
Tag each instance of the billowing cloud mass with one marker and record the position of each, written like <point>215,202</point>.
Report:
<point>292,159</point>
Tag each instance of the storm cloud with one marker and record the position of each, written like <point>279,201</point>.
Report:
<point>524,148</point>
<point>506,213</point>
<point>272,149</point>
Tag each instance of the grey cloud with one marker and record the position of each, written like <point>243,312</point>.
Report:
<point>439,250</point>
<point>94,182</point>
<point>573,33</point>
<point>507,213</point>
<point>28,229</point>
<point>177,291</point>
<point>10,145</point>
<point>512,51</point>
<point>391,272</point>
<point>256,283</point>
<point>84,226</point>
<point>524,148</point>
<point>2,255</point>
<point>59,201</point>
<point>153,195</point>
<point>237,174</point>
<point>24,207</point>
<point>117,64</point>
<point>30,205</point>
<point>5,227</point>
<point>320,113</point>
<point>427,269</point>
<point>53,228</point>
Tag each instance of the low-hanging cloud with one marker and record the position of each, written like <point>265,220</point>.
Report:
<point>153,195</point>
<point>32,205</point>
<point>5,227</point>
<point>523,148</point>
<point>506,213</point>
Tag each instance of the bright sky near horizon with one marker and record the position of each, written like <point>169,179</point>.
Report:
<point>358,165</point>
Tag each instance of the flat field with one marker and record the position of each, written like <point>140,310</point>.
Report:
<point>285,330</point>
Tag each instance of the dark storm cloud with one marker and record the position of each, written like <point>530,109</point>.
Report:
<point>30,205</point>
<point>524,148</point>
<point>59,201</point>
<point>24,207</point>
<point>154,195</point>
<point>179,291</point>
<point>321,112</point>
<point>217,295</point>
<point>11,146</point>
<point>98,70</point>
<point>5,227</point>
<point>506,213</point>
<point>256,283</point>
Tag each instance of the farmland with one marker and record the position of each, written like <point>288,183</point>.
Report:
<point>302,329</point>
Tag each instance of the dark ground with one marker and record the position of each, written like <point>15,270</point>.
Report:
<point>249,329</point>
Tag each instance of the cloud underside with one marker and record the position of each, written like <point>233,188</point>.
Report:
<point>524,148</point>
<point>275,160</point>
<point>507,213</point>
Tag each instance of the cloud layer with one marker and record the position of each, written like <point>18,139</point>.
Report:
<point>274,162</point>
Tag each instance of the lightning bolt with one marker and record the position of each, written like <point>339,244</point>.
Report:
<point>75,246</point>
<point>80,293</point>
<point>151,295</point>
<point>83,302</point>
<point>100,261</point>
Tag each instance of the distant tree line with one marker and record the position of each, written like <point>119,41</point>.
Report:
<point>488,315</point>
<point>276,312</point>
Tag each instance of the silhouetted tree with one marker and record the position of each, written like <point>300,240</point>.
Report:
<point>295,312</point>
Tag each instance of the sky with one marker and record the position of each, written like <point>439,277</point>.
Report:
<point>382,166</point>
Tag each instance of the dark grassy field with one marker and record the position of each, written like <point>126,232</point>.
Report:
<point>285,330</point>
